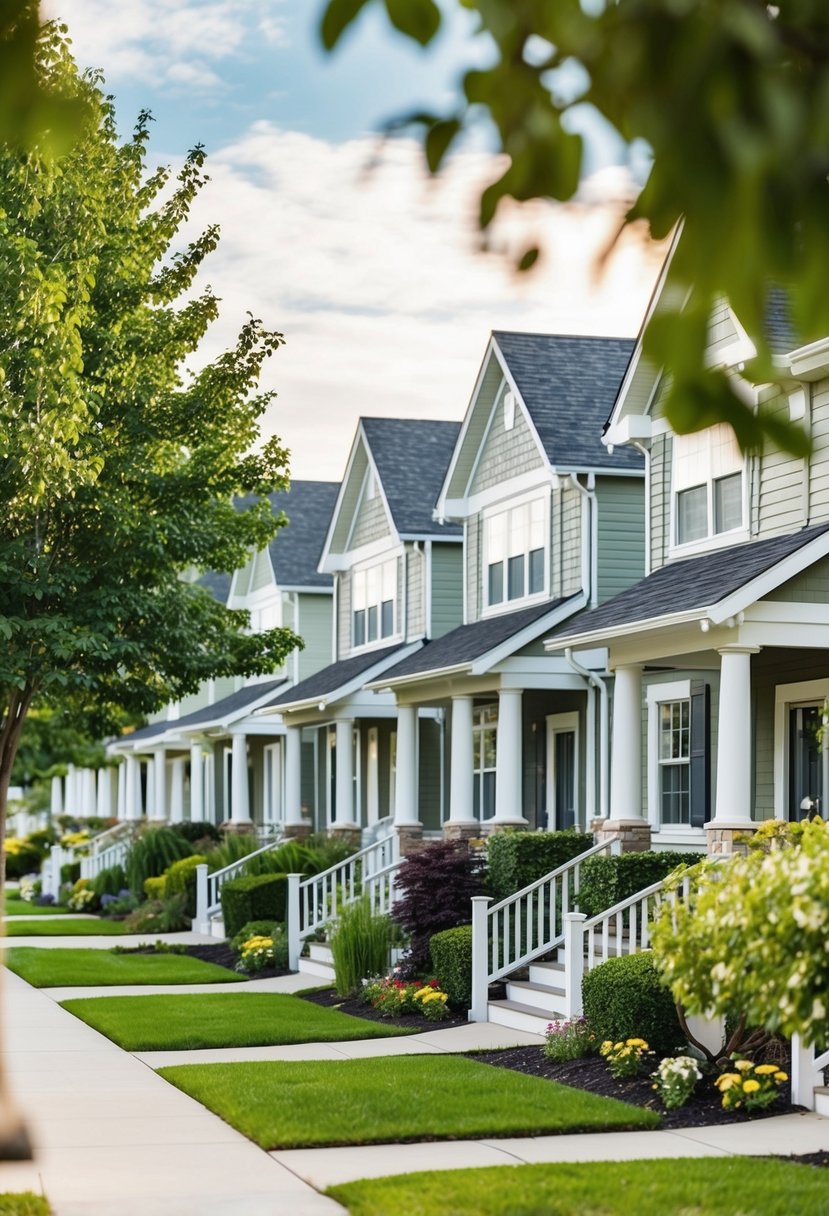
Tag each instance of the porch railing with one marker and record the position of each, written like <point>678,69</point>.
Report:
<point>314,902</point>
<point>524,926</point>
<point>807,1072</point>
<point>105,853</point>
<point>209,886</point>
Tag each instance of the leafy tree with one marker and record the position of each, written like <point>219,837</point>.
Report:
<point>30,115</point>
<point>120,468</point>
<point>731,97</point>
<point>751,942</point>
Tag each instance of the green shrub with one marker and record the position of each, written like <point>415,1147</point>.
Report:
<point>196,830</point>
<point>451,953</point>
<point>150,855</point>
<point>625,997</point>
<point>607,880</point>
<point>180,879</point>
<point>516,859</point>
<point>71,872</point>
<point>434,887</point>
<point>265,928</point>
<point>154,887</point>
<point>42,840</point>
<point>158,916</point>
<point>111,881</point>
<point>359,945</point>
<point>253,897</point>
<point>21,858</point>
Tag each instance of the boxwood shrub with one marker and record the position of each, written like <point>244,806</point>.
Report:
<point>607,880</point>
<point>516,859</point>
<point>451,953</point>
<point>253,897</point>
<point>624,998</point>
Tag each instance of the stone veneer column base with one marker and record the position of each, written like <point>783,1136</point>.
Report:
<point>410,838</point>
<point>348,833</point>
<point>633,835</point>
<point>232,827</point>
<point>462,829</point>
<point>296,831</point>
<point>490,826</point>
<point>723,838</point>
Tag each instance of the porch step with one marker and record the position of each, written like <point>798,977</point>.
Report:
<point>544,998</point>
<point>822,1100</point>
<point>217,928</point>
<point>320,961</point>
<point>517,1016</point>
<point>548,974</point>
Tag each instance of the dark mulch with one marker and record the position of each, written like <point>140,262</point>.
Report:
<point>220,954</point>
<point>816,1160</point>
<point>592,1074</point>
<point>328,998</point>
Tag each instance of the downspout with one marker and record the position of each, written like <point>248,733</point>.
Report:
<point>590,539</point>
<point>604,729</point>
<point>640,447</point>
<point>295,627</point>
<point>427,588</point>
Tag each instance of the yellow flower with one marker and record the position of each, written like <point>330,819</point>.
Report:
<point>606,1047</point>
<point>751,1087</point>
<point>765,1070</point>
<point>743,1065</point>
<point>727,1080</point>
<point>781,1076</point>
<point>636,1043</point>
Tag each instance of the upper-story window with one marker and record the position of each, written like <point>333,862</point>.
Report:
<point>515,544</point>
<point>708,484</point>
<point>374,602</point>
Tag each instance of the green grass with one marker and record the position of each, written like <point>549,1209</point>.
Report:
<point>21,907</point>
<point>224,1019</point>
<point>23,1203</point>
<point>648,1188</point>
<point>393,1099</point>
<point>46,968</point>
<point>52,927</point>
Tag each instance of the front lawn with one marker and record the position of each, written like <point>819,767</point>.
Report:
<point>52,927</point>
<point>23,1203</point>
<point>393,1099</point>
<point>46,968</point>
<point>720,1187</point>
<point>238,1019</point>
<point>22,907</point>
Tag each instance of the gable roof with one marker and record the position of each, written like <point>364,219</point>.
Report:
<point>295,550</point>
<point>569,384</point>
<point>339,679</point>
<point>411,457</point>
<point>691,586</point>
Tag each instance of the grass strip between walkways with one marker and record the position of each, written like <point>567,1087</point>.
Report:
<point>54,927</point>
<point>713,1187</point>
<point>22,907</point>
<point>393,1099</point>
<point>44,968</point>
<point>223,1019</point>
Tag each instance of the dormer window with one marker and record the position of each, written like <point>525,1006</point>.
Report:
<point>515,544</point>
<point>708,484</point>
<point>374,603</point>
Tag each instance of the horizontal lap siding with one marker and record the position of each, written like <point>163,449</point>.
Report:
<point>779,487</point>
<point>315,629</point>
<point>447,588</point>
<point>415,605</point>
<point>343,614</point>
<point>473,567</point>
<point>660,499</point>
<point>819,466</point>
<point>621,539</point>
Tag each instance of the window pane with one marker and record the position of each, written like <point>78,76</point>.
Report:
<point>536,537</point>
<point>372,623</point>
<point>675,796</point>
<point>728,503</point>
<point>496,539</point>
<point>360,589</point>
<point>496,583</point>
<point>515,578</point>
<point>692,514</point>
<point>536,571</point>
<point>360,627</point>
<point>488,782</point>
<point>389,588</point>
<point>489,741</point>
<point>518,530</point>
<point>387,618</point>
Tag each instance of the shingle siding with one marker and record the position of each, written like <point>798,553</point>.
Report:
<point>569,555</point>
<point>371,523</point>
<point>415,587</point>
<point>506,454</point>
<point>809,587</point>
<point>621,534</point>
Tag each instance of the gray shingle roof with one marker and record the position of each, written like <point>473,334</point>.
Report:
<point>337,675</point>
<point>412,456</point>
<point>569,385</point>
<point>780,331</point>
<point>470,642</point>
<point>217,583</point>
<point>696,582</point>
<point>235,704</point>
<point>295,550</point>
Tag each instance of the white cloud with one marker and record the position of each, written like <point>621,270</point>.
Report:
<point>377,281</point>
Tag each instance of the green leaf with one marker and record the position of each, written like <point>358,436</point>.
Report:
<point>338,15</point>
<point>438,140</point>
<point>418,19</point>
<point>528,258</point>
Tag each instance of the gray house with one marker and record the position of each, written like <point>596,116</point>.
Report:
<point>397,583</point>
<point>552,523</point>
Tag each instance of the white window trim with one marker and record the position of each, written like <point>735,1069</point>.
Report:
<point>560,724</point>
<point>657,694</point>
<point>786,697</point>
<point>397,632</point>
<point>273,809</point>
<point>543,494</point>
<point>714,540</point>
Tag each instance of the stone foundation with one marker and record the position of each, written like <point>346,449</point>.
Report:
<point>232,827</point>
<point>296,831</point>
<point>633,835</point>
<point>349,833</point>
<point>410,838</point>
<point>490,826</point>
<point>462,829</point>
<point>726,838</point>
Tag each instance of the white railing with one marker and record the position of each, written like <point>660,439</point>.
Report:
<point>56,858</point>
<point>114,855</point>
<point>314,902</point>
<point>622,929</point>
<point>807,1072</point>
<point>209,886</point>
<point>524,926</point>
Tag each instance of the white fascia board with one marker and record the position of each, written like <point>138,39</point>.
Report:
<point>224,721</point>
<point>324,567</point>
<point>528,634</point>
<point>629,429</point>
<point>301,589</point>
<point>440,512</point>
<point>770,579</point>
<point>600,637</point>
<point>363,680</point>
<point>419,677</point>
<point>810,362</point>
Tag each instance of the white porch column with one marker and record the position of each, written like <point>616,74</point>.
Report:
<point>405,789</point>
<point>104,792</point>
<point>345,775</point>
<point>90,794</point>
<point>196,783</point>
<point>177,791</point>
<point>732,808</point>
<point>210,787</point>
<point>70,803</point>
<point>121,804</point>
<point>626,826</point>
<point>239,795</point>
<point>461,771</point>
<point>133,787</point>
<point>159,783</point>
<point>56,800</point>
<point>509,785</point>
<point>293,777</point>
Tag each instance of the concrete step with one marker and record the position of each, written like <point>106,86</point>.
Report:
<point>217,928</point>
<point>320,952</point>
<point>517,1016</point>
<point>547,974</point>
<point>545,998</point>
<point>308,966</point>
<point>822,1100</point>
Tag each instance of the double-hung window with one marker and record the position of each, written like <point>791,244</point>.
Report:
<point>679,754</point>
<point>484,750</point>
<point>374,600</point>
<point>675,761</point>
<point>708,484</point>
<point>514,552</point>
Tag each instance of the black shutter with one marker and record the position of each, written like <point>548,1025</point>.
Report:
<point>700,766</point>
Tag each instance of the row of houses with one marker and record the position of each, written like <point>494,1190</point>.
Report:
<point>554,613</point>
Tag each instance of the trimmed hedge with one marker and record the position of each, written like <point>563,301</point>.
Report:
<point>625,998</point>
<point>451,953</point>
<point>518,858</point>
<point>253,897</point>
<point>180,879</point>
<point>607,880</point>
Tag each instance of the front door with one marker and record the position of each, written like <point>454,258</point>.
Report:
<point>562,771</point>
<point>807,762</point>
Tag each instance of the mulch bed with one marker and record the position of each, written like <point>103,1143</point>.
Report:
<point>815,1160</point>
<point>328,998</point>
<point>221,955</point>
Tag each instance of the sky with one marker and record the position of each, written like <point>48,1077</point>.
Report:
<point>372,271</point>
